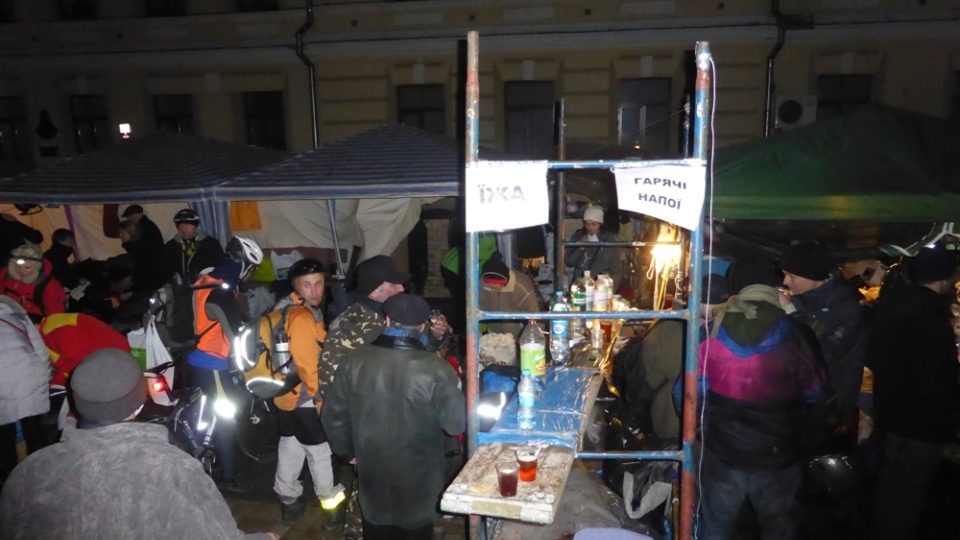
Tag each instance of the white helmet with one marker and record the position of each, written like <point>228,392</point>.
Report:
<point>246,252</point>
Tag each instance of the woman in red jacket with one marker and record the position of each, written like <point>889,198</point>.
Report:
<point>29,281</point>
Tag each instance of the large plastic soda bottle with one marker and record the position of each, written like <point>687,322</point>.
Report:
<point>533,353</point>
<point>526,401</point>
<point>559,331</point>
<point>602,293</point>
<point>589,289</point>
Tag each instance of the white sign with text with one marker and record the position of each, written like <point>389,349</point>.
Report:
<point>503,195</point>
<point>671,192</point>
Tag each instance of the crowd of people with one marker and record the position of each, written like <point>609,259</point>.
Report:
<point>115,477</point>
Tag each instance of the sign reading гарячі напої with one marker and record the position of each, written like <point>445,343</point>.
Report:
<point>672,192</point>
<point>503,195</point>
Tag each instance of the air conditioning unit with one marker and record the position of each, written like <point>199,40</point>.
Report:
<point>795,111</point>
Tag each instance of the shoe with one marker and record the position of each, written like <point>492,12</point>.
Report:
<point>332,519</point>
<point>290,513</point>
<point>237,485</point>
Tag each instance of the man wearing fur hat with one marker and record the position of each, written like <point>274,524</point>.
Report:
<point>113,478</point>
<point>28,280</point>
<point>398,438</point>
<point>818,297</point>
<point>912,352</point>
<point>595,259</point>
<point>762,378</point>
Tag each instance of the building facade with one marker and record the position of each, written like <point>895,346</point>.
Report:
<point>228,69</point>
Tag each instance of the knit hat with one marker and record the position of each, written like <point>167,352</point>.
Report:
<point>932,264</point>
<point>187,215</point>
<point>132,209</point>
<point>376,270</point>
<point>407,309</point>
<point>807,260</point>
<point>593,213</point>
<point>495,270</point>
<point>751,270</point>
<point>27,250</point>
<point>108,386</point>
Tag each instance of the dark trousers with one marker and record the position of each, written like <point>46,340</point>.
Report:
<point>725,489</point>
<point>225,432</point>
<point>902,488</point>
<point>390,532</point>
<point>33,435</point>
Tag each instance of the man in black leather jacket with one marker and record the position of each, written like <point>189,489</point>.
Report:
<point>388,407</point>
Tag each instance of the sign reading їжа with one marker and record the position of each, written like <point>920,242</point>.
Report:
<point>503,195</point>
<point>672,192</point>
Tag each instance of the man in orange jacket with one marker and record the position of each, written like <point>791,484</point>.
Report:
<point>301,433</point>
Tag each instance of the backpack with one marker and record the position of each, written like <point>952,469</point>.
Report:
<point>264,349</point>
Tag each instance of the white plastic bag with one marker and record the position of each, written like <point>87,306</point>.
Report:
<point>157,354</point>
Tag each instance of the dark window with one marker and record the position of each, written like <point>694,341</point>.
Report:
<point>955,108</point>
<point>528,111</point>
<point>7,11</point>
<point>13,134</point>
<point>166,8</point>
<point>174,113</point>
<point>643,115</point>
<point>264,114</point>
<point>839,94</point>
<point>421,106</point>
<point>90,126</point>
<point>256,5</point>
<point>78,10</point>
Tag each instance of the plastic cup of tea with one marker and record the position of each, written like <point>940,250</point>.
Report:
<point>507,479</point>
<point>527,460</point>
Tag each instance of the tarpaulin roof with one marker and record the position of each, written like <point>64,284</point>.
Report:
<point>384,162</point>
<point>160,166</point>
<point>875,164</point>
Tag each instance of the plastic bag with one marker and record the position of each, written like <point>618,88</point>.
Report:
<point>138,345</point>
<point>156,354</point>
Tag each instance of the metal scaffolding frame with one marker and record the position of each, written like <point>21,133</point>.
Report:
<point>685,456</point>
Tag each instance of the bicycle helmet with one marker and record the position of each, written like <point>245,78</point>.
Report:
<point>188,216</point>
<point>304,267</point>
<point>246,252</point>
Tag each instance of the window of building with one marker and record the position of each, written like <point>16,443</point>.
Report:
<point>90,125</point>
<point>78,10</point>
<point>955,108</point>
<point>643,115</point>
<point>421,106</point>
<point>256,5</point>
<point>264,114</point>
<point>839,94</point>
<point>174,113</point>
<point>13,134</point>
<point>166,8</point>
<point>7,11</point>
<point>528,112</point>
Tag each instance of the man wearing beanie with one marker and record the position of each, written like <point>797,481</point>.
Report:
<point>397,438</point>
<point>912,352</point>
<point>819,298</point>
<point>116,478</point>
<point>503,289</point>
<point>762,381</point>
<point>597,260</point>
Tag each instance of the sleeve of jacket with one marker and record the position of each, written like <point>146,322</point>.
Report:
<point>576,256</point>
<point>448,402</point>
<point>335,415</point>
<point>54,297</point>
<point>305,347</point>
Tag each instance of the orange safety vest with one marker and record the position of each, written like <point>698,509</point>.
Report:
<point>210,336</point>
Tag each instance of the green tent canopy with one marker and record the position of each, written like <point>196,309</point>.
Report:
<point>875,164</point>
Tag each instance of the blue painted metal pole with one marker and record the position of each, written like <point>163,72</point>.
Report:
<point>472,267</point>
<point>701,143</point>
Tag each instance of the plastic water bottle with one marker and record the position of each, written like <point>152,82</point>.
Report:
<point>602,293</point>
<point>559,331</point>
<point>533,353</point>
<point>589,289</point>
<point>526,401</point>
<point>578,302</point>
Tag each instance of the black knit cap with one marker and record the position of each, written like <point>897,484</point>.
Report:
<point>751,270</point>
<point>132,209</point>
<point>495,267</point>
<point>108,386</point>
<point>808,260</point>
<point>407,309</point>
<point>933,264</point>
